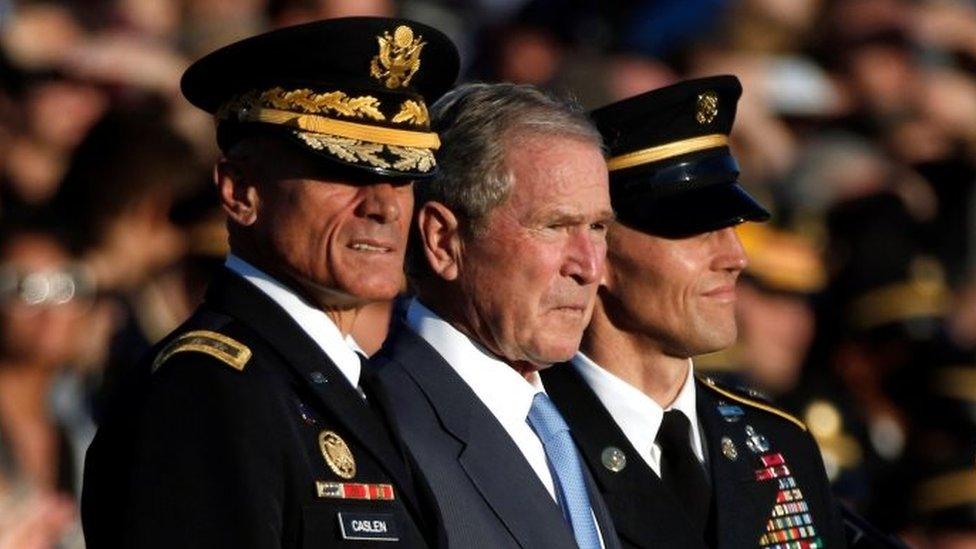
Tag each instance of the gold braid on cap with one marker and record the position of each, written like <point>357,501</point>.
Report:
<point>667,150</point>
<point>352,141</point>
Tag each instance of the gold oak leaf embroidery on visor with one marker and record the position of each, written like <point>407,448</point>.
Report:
<point>420,159</point>
<point>354,150</point>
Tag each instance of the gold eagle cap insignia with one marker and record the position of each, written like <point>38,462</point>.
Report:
<point>398,59</point>
<point>707,107</point>
<point>337,454</point>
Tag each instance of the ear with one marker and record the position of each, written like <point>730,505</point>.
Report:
<point>238,195</point>
<point>440,239</point>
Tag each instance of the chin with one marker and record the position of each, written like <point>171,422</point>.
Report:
<point>557,352</point>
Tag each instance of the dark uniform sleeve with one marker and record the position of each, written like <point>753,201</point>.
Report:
<point>192,465</point>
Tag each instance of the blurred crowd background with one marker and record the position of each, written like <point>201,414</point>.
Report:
<point>857,127</point>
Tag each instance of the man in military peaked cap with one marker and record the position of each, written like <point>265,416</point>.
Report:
<point>251,425</point>
<point>682,461</point>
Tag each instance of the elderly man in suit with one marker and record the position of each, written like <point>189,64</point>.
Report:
<point>508,250</point>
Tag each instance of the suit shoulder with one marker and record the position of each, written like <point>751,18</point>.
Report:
<point>750,398</point>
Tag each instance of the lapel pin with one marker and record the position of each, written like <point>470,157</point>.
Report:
<point>337,454</point>
<point>728,449</point>
<point>613,459</point>
<point>755,441</point>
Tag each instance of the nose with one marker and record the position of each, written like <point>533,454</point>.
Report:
<point>730,255</point>
<point>381,202</point>
<point>585,257</point>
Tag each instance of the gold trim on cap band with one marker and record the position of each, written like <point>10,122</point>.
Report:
<point>352,130</point>
<point>668,150</point>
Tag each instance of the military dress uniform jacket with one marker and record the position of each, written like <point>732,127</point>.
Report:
<point>486,493</point>
<point>769,488</point>
<point>242,433</point>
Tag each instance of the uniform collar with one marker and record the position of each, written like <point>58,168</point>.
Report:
<point>323,331</point>
<point>638,415</point>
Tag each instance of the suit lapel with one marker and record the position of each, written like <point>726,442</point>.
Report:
<point>644,511</point>
<point>608,531</point>
<point>489,457</point>
<point>742,504</point>
<point>240,299</point>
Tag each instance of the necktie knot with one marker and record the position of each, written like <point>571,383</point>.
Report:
<point>675,430</point>
<point>545,418</point>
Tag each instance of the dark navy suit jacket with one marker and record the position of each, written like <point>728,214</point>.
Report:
<point>486,493</point>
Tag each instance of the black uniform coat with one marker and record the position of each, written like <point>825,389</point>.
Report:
<point>645,512</point>
<point>486,492</point>
<point>202,454</point>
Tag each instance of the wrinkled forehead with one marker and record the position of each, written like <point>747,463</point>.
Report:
<point>558,172</point>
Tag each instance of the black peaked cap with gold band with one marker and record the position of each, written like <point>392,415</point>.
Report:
<point>671,171</point>
<point>353,90</point>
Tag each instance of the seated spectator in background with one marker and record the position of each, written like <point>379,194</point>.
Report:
<point>507,253</point>
<point>45,322</point>
<point>116,202</point>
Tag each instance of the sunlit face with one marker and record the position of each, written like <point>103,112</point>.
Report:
<point>679,292</point>
<point>343,242</point>
<point>530,278</point>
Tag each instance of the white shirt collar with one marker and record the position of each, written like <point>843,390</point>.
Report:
<point>504,391</point>
<point>506,394</point>
<point>638,415</point>
<point>323,331</point>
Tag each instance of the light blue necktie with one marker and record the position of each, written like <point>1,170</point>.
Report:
<point>551,428</point>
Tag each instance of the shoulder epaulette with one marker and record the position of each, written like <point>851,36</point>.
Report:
<point>753,402</point>
<point>225,349</point>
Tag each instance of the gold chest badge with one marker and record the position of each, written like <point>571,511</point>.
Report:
<point>399,57</point>
<point>707,107</point>
<point>337,454</point>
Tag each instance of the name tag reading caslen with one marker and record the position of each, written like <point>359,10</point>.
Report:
<point>368,526</point>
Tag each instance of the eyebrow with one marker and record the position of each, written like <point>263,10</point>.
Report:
<point>576,217</point>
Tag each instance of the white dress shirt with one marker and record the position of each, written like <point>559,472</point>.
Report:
<point>323,331</point>
<point>506,394</point>
<point>637,414</point>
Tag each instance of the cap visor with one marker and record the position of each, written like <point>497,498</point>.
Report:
<point>692,211</point>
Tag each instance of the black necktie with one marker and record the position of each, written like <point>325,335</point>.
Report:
<point>681,471</point>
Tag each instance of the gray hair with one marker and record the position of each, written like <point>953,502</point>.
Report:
<point>476,124</point>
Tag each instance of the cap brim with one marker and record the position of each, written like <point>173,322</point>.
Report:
<point>692,211</point>
<point>229,133</point>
